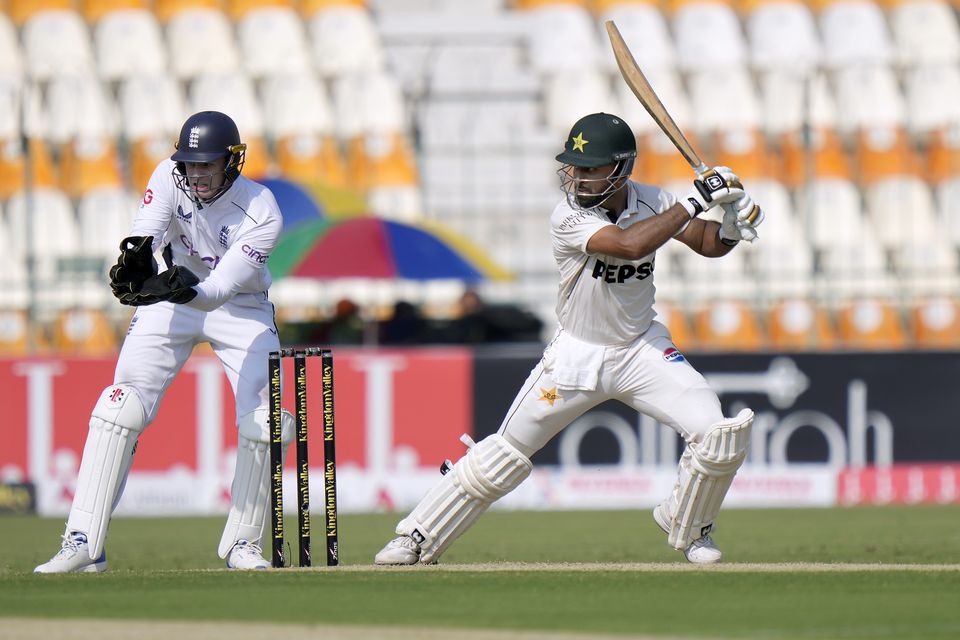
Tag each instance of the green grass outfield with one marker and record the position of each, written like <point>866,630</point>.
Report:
<point>887,572</point>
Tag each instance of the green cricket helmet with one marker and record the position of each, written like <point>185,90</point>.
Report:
<point>596,140</point>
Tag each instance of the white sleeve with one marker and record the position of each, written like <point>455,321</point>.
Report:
<point>243,267</point>
<point>575,228</point>
<point>156,207</point>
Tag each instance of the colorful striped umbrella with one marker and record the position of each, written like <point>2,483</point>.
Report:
<point>370,247</point>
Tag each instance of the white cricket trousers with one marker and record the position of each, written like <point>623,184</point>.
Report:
<point>162,336</point>
<point>642,374</point>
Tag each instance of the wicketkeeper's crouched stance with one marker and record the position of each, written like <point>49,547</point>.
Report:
<point>605,235</point>
<point>219,229</point>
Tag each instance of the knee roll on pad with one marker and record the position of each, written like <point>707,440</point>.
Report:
<point>707,469</point>
<point>117,420</point>
<point>491,469</point>
<point>250,490</point>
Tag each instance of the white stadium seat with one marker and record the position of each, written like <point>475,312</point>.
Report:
<point>13,272</point>
<point>925,32</point>
<point>53,228</point>
<point>932,98</point>
<point>668,87</point>
<point>465,69</point>
<point>273,40</point>
<point>129,43</point>
<point>724,101</point>
<point>789,100</point>
<point>104,217</point>
<point>855,32</point>
<point>708,34</point>
<point>645,31</point>
<point>11,62</point>
<point>56,42</point>
<point>901,211</point>
<point>78,106</point>
<point>832,212</point>
<point>231,93</point>
<point>568,97</point>
<point>783,36</point>
<point>365,103</point>
<point>295,104</point>
<point>151,106</point>
<point>345,40</point>
<point>200,41</point>
<point>562,38</point>
<point>868,96</point>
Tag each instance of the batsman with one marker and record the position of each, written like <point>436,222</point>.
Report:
<point>609,346</point>
<point>217,228</point>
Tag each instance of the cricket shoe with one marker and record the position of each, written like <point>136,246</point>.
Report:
<point>400,550</point>
<point>74,557</point>
<point>700,551</point>
<point>246,555</point>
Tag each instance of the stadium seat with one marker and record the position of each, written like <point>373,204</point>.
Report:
<point>105,216</point>
<point>645,31</point>
<point>94,10</point>
<point>563,38</point>
<point>48,209</point>
<point>11,61</point>
<point>272,40</point>
<point>166,10</point>
<point>151,106</point>
<point>200,42</point>
<point>925,32</point>
<point>56,42</point>
<point>381,160</point>
<point>728,326</point>
<point>89,163</point>
<point>936,323</point>
<point>240,9</point>
<point>783,36</point>
<point>309,8</point>
<point>22,10</point>
<point>673,317</point>
<point>797,324</point>
<point>723,102</point>
<point>932,94</point>
<point>818,155</point>
<point>13,273</point>
<point>746,152</point>
<point>669,88</point>
<point>659,163</point>
<point>233,94</point>
<point>725,47</point>
<point>84,331</point>
<point>871,324</point>
<point>78,105</point>
<point>129,43</point>
<point>943,154</point>
<point>855,268</point>
<point>868,96</point>
<point>344,40</point>
<point>793,100</point>
<point>370,102</point>
<point>565,102</point>
<point>460,69</point>
<point>708,279</point>
<point>15,333</point>
<point>832,211</point>
<point>855,33</point>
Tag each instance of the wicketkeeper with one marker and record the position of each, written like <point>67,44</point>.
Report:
<point>609,346</point>
<point>218,229</point>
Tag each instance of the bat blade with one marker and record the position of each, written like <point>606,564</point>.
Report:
<point>641,88</point>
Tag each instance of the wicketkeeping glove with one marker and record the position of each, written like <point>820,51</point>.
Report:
<point>716,186</point>
<point>135,264</point>
<point>173,285</point>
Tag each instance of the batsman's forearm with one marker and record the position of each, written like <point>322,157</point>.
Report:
<point>648,235</point>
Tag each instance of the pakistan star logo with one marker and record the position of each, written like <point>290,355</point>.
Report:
<point>578,142</point>
<point>550,395</point>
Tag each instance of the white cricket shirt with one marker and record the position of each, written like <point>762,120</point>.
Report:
<point>226,244</point>
<point>605,300</point>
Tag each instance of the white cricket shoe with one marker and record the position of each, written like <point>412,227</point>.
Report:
<point>74,557</point>
<point>701,551</point>
<point>400,550</point>
<point>246,555</point>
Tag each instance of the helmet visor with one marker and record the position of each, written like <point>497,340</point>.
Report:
<point>589,192</point>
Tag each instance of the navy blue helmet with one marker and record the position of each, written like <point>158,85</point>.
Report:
<point>207,137</point>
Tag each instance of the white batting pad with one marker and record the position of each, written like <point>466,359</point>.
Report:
<point>491,469</point>
<point>116,423</point>
<point>250,491</point>
<point>706,472</point>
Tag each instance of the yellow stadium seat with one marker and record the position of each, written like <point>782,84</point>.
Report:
<point>166,9</point>
<point>84,331</point>
<point>799,325</point>
<point>943,156</point>
<point>311,159</point>
<point>871,324</point>
<point>747,154</point>
<point>885,153</point>
<point>21,10</point>
<point>237,9</point>
<point>536,4</point>
<point>728,326</point>
<point>381,160</point>
<point>145,154</point>
<point>12,178</point>
<point>93,10</point>
<point>677,322</point>
<point>825,158</point>
<point>936,323</point>
<point>310,7</point>
<point>659,162</point>
<point>15,338</point>
<point>89,164</point>
<point>257,159</point>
